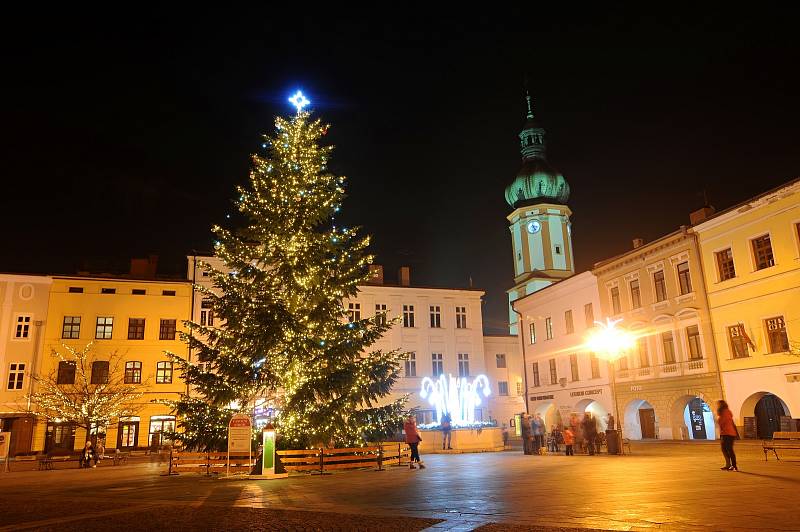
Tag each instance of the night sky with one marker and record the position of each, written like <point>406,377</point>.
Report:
<point>126,136</point>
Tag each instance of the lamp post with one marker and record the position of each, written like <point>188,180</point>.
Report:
<point>611,343</point>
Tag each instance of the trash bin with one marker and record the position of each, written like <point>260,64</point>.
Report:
<point>612,441</point>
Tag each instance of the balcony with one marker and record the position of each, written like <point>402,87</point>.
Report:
<point>673,369</point>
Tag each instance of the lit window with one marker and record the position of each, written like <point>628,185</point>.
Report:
<point>776,334</point>
<point>380,314</point>
<point>411,365</point>
<point>660,285</point>
<point>463,365</point>
<point>519,387</point>
<point>738,342</point>
<point>164,373</point>
<point>532,332</point>
<point>668,344</point>
<point>762,251</point>
<point>684,278</point>
<point>438,364</point>
<point>133,372</point>
<point>71,328</point>
<point>23,328</point>
<point>408,315</point>
<point>725,266</point>
<point>167,329</point>
<point>353,312</point>
<point>135,328</point>
<point>461,317</point>
<point>436,316</point>
<point>693,339</point>
<point>16,375</point>
<point>104,328</point>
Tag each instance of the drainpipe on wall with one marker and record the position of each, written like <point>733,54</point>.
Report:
<point>38,324</point>
<point>521,333</point>
<point>191,311</point>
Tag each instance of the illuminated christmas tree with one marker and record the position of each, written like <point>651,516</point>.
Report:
<point>282,332</point>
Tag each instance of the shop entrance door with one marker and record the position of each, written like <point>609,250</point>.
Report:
<point>647,420</point>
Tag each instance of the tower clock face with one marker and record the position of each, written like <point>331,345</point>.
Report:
<point>534,226</point>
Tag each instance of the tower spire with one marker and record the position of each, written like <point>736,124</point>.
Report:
<point>530,104</point>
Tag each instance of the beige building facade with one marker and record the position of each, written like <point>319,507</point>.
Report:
<point>751,264</point>
<point>667,386</point>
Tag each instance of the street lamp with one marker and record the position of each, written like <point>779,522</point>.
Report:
<point>611,343</point>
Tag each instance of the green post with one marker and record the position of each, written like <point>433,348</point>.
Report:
<point>268,444</point>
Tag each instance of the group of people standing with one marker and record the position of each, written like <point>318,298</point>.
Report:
<point>582,432</point>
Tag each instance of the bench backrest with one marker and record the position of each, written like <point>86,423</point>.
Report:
<point>786,436</point>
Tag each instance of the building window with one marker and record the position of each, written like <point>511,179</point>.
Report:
<point>776,334</point>
<point>502,387</point>
<point>436,317</point>
<point>206,314</point>
<point>160,427</point>
<point>595,366</point>
<point>660,285</point>
<point>636,297</point>
<point>353,312</point>
<point>104,328</point>
<point>23,328</point>
<point>762,251</point>
<point>684,278</point>
<point>569,326</point>
<point>133,372</point>
<point>438,364</point>
<point>532,331</point>
<point>573,366</point>
<point>108,290</point>
<point>588,315</point>
<point>135,328</point>
<point>380,314</point>
<point>644,357</point>
<point>461,317</point>
<point>548,328</point>
<point>463,365</point>
<point>501,360</point>
<point>725,267</point>
<point>408,315</point>
<point>71,328</point>
<point>693,338</point>
<point>164,373</point>
<point>519,387</point>
<point>16,374</point>
<point>75,289</point>
<point>100,372</point>
<point>66,373</point>
<point>167,329</point>
<point>615,306</point>
<point>138,291</point>
<point>668,344</point>
<point>411,365</point>
<point>168,292</point>
<point>536,381</point>
<point>553,372</point>
<point>738,341</point>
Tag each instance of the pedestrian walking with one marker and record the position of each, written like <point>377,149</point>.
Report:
<point>590,432</point>
<point>538,433</point>
<point>446,430</point>
<point>412,439</point>
<point>569,441</point>
<point>88,455</point>
<point>611,422</point>
<point>555,439</point>
<point>505,435</point>
<point>101,450</point>
<point>728,434</point>
<point>527,434</point>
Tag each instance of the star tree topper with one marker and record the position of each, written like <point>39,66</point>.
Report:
<point>299,100</point>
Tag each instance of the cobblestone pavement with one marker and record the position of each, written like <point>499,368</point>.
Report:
<point>661,486</point>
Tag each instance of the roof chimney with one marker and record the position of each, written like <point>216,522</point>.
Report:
<point>404,276</point>
<point>638,242</point>
<point>702,214</point>
<point>375,274</point>
<point>144,268</point>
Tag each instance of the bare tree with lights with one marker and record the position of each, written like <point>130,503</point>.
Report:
<point>282,330</point>
<point>91,396</point>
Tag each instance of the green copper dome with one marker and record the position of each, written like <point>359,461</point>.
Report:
<point>536,181</point>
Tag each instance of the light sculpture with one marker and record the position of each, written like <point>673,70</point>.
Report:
<point>457,396</point>
<point>299,100</point>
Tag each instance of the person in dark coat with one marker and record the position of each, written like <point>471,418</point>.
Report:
<point>447,427</point>
<point>412,439</point>
<point>589,425</point>
<point>527,434</point>
<point>87,455</point>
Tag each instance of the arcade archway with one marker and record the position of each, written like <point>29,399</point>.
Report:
<point>640,420</point>
<point>694,418</point>
<point>762,413</point>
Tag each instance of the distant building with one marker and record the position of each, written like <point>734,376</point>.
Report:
<point>751,263</point>
<point>23,313</point>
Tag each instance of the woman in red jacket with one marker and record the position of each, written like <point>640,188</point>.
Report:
<point>412,439</point>
<point>728,434</point>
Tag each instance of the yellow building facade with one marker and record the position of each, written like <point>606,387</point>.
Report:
<point>751,266</point>
<point>141,321</point>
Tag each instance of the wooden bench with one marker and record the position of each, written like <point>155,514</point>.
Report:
<point>780,440</point>
<point>46,462</point>
<point>120,458</point>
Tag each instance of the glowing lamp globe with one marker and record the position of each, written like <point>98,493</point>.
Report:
<point>608,341</point>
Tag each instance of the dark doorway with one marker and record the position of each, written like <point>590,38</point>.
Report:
<point>769,410</point>
<point>21,429</point>
<point>60,438</point>
<point>647,421</point>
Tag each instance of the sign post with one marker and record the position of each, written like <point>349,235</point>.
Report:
<point>239,438</point>
<point>5,444</point>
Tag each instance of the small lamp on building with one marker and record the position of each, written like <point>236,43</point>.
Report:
<point>611,343</point>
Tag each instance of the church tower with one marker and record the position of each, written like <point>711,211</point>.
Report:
<point>541,234</point>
